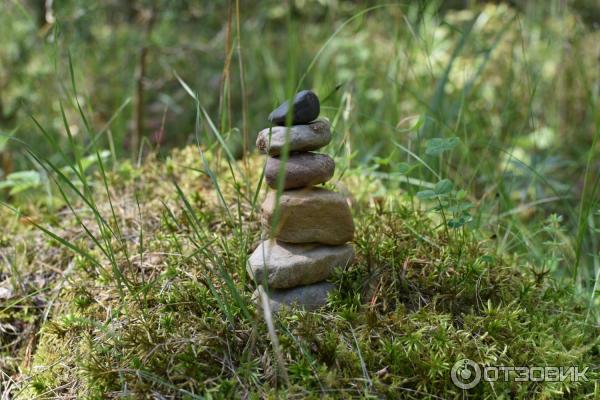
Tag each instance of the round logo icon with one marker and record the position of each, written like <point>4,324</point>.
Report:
<point>465,374</point>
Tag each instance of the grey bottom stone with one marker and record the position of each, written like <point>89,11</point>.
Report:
<point>309,297</point>
<point>285,265</point>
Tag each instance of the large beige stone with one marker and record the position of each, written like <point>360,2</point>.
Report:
<point>309,297</point>
<point>309,215</point>
<point>285,265</point>
<point>308,137</point>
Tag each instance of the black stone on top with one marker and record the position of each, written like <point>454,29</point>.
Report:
<point>306,109</point>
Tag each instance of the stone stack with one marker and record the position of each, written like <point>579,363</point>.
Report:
<point>313,225</point>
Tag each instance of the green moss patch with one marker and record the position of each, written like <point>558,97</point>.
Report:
<point>170,315</point>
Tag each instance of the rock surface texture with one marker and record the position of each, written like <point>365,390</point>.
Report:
<point>300,137</point>
<point>285,265</point>
<point>308,215</point>
<point>308,227</point>
<point>309,297</point>
<point>301,170</point>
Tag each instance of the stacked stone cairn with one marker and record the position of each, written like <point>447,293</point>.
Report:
<point>313,225</point>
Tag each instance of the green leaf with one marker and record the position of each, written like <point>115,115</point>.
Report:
<point>457,222</point>
<point>461,207</point>
<point>488,258</point>
<point>426,194</point>
<point>437,146</point>
<point>441,206</point>
<point>20,187</point>
<point>419,123</point>
<point>382,161</point>
<point>24,176</point>
<point>4,138</point>
<point>405,168</point>
<point>443,187</point>
<point>92,159</point>
<point>21,181</point>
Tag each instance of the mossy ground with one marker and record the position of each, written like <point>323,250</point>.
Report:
<point>417,299</point>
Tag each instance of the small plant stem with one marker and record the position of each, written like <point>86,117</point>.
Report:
<point>225,100</point>
<point>443,217</point>
<point>242,84</point>
<point>138,99</point>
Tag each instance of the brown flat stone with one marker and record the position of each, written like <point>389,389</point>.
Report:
<point>301,170</point>
<point>309,215</point>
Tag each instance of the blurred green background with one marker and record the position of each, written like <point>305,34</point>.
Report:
<point>516,82</point>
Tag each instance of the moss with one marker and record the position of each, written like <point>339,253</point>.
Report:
<point>416,300</point>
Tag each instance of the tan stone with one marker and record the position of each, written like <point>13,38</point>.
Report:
<point>309,215</point>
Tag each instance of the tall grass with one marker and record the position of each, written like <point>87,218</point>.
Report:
<point>439,76</point>
<point>476,76</point>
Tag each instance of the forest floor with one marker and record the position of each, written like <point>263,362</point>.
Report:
<point>139,290</point>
